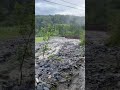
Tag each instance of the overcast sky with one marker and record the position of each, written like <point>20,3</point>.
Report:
<point>45,8</point>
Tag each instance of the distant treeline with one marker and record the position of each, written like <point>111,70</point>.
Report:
<point>11,12</point>
<point>104,15</point>
<point>60,25</point>
<point>43,20</point>
<point>63,30</point>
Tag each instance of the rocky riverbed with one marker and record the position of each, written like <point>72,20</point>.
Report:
<point>62,67</point>
<point>10,56</point>
<point>101,67</point>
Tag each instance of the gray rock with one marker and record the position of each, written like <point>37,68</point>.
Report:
<point>63,62</point>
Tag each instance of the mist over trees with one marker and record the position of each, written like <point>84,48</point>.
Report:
<point>43,20</point>
<point>61,25</point>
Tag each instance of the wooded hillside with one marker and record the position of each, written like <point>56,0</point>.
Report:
<point>59,25</point>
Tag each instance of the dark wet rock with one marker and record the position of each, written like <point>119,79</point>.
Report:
<point>61,63</point>
<point>9,65</point>
<point>101,64</point>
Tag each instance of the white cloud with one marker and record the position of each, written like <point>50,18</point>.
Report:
<point>45,8</point>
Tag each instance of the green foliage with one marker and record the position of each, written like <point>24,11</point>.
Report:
<point>96,14</point>
<point>82,38</point>
<point>45,48</point>
<point>63,30</point>
<point>113,24</point>
<point>47,32</point>
<point>55,57</point>
<point>114,27</point>
<point>38,39</point>
<point>24,19</point>
<point>105,13</point>
<point>44,20</point>
<point>59,25</point>
<point>9,32</point>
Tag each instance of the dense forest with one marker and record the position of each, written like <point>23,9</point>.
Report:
<point>16,29</point>
<point>13,10</point>
<point>59,25</point>
<point>104,15</point>
<point>42,20</point>
<point>16,18</point>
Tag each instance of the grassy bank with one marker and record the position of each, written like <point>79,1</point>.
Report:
<point>9,32</point>
<point>38,39</point>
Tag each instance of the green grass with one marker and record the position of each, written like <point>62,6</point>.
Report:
<point>8,32</point>
<point>38,39</point>
<point>82,37</point>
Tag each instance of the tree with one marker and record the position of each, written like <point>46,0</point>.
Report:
<point>25,22</point>
<point>47,32</point>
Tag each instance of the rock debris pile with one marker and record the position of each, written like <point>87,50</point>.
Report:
<point>62,67</point>
<point>102,69</point>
